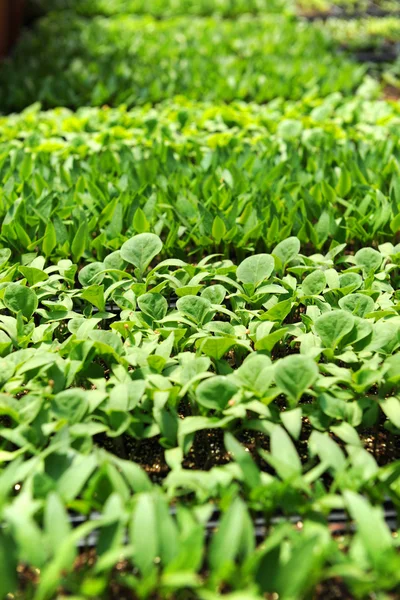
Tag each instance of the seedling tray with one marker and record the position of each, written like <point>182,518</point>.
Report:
<point>339,13</point>
<point>338,521</point>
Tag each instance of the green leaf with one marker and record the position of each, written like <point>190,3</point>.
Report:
<point>285,459</point>
<point>344,184</point>
<point>8,565</point>
<point>250,471</point>
<point>347,433</point>
<point>332,327</point>
<point>269,341</point>
<point>328,451</point>
<point>144,534</point>
<point>371,528</point>
<point>91,274</point>
<point>80,241</point>
<point>20,298</point>
<point>5,254</point>
<point>140,222</point>
<point>214,293</point>
<point>50,239</point>
<point>218,229</point>
<point>255,269</point>
<point>56,523</point>
<point>107,340</point>
<point>95,295</point>
<point>194,307</point>
<point>33,275</point>
<point>153,305</point>
<point>215,392</point>
<point>292,420</point>
<point>141,249</point>
<point>294,374</point>
<point>358,304</point>
<point>256,373</point>
<point>216,347</point>
<point>136,477</point>
<point>167,532</point>
<point>314,283</point>
<point>73,480</point>
<point>391,408</point>
<point>369,259</point>
<point>71,405</point>
<point>287,250</point>
<point>234,538</point>
<point>278,312</point>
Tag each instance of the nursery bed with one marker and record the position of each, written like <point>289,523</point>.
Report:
<point>200,303</point>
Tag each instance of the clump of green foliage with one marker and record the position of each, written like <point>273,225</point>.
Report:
<point>163,8</point>
<point>125,347</point>
<point>134,60</point>
<point>233,179</point>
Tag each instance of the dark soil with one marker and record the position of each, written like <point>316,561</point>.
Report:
<point>392,93</point>
<point>117,588</point>
<point>208,449</point>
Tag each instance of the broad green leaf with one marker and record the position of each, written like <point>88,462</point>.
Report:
<point>332,327</point>
<point>216,347</point>
<point>215,392</point>
<point>153,305</point>
<point>256,373</point>
<point>73,480</point>
<point>385,337</point>
<point>392,365</point>
<point>214,293</point>
<point>8,565</point>
<point>95,295</point>
<point>20,298</point>
<point>287,250</point>
<point>391,408</point>
<point>71,405</point>
<point>5,254</point>
<point>347,433</point>
<point>91,274</point>
<point>278,312</point>
<point>292,420</point>
<point>33,275</point>
<point>314,283</point>
<point>344,183</point>
<point>328,451</point>
<point>140,222</point>
<point>294,374</point>
<point>141,249</point>
<point>369,259</point>
<point>107,338</point>
<point>255,269</point>
<point>136,477</point>
<point>358,304</point>
<point>194,307</point>
<point>167,531</point>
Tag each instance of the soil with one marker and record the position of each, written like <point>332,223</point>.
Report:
<point>332,589</point>
<point>392,93</point>
<point>208,449</point>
